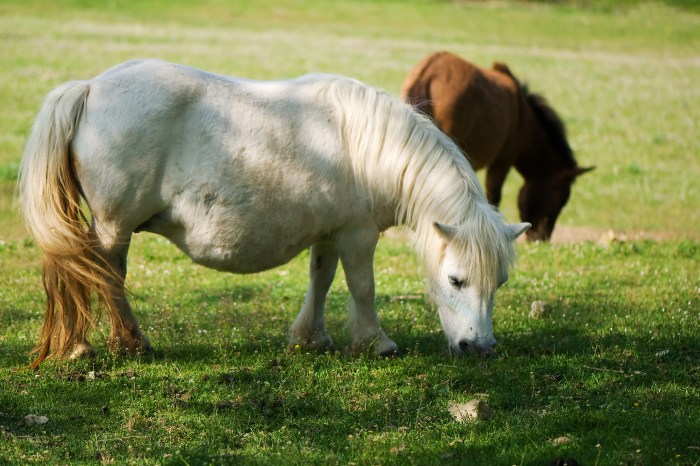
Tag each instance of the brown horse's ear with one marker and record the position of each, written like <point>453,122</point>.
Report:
<point>503,68</point>
<point>569,175</point>
<point>581,170</point>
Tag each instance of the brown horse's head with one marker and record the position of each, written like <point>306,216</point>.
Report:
<point>541,200</point>
<point>552,172</point>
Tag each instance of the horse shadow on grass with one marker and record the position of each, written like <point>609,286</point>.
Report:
<point>252,384</point>
<point>150,400</point>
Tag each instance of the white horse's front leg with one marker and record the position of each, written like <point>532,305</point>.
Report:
<point>309,328</point>
<point>356,249</point>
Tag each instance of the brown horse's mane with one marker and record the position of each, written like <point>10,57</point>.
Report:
<point>552,124</point>
<point>549,119</point>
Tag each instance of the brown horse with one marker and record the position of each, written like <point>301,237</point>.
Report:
<point>498,123</point>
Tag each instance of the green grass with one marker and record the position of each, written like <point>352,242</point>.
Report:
<point>615,367</point>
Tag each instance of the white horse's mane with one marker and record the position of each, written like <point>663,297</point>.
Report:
<point>402,154</point>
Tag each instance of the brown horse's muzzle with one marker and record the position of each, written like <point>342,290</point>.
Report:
<point>539,232</point>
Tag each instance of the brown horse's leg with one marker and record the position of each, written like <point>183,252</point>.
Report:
<point>495,177</point>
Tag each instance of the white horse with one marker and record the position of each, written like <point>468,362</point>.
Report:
<point>243,175</point>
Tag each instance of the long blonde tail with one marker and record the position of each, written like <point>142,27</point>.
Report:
<point>50,199</point>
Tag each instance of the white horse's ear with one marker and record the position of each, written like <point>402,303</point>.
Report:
<point>517,229</point>
<point>446,232</point>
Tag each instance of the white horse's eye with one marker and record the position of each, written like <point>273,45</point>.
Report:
<point>455,282</point>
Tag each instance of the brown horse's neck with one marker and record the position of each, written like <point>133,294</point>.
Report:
<point>543,151</point>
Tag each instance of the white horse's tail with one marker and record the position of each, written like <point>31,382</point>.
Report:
<point>50,199</point>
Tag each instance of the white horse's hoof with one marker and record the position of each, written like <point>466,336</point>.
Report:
<point>392,354</point>
<point>82,351</point>
<point>320,343</point>
<point>369,350</point>
<point>381,345</point>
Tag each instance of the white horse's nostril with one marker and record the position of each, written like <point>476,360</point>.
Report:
<point>464,345</point>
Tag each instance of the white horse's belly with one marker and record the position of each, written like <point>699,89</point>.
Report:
<point>247,255</point>
<point>234,248</point>
<point>248,233</point>
<point>226,244</point>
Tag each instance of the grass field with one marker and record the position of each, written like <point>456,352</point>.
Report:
<point>609,376</point>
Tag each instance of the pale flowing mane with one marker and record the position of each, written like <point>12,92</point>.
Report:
<point>402,156</point>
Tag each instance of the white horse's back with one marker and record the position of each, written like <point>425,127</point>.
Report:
<point>242,175</point>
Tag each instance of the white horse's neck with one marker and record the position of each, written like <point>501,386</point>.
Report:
<point>409,165</point>
<point>403,159</point>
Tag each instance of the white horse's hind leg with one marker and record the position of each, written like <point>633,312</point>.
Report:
<point>309,329</point>
<point>125,335</point>
<point>357,255</point>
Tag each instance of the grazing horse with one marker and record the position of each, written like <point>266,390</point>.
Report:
<point>242,175</point>
<point>498,123</point>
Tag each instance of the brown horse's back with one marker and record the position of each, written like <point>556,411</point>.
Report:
<point>498,123</point>
<point>478,107</point>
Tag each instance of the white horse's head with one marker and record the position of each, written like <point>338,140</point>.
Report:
<point>465,286</point>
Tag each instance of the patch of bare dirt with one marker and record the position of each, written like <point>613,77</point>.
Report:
<point>564,234</point>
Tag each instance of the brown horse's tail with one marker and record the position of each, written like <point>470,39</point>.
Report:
<point>50,199</point>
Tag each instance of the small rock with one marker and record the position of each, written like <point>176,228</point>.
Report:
<point>563,440</point>
<point>32,419</point>
<point>610,237</point>
<point>226,404</point>
<point>538,309</point>
<point>92,375</point>
<point>475,409</point>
